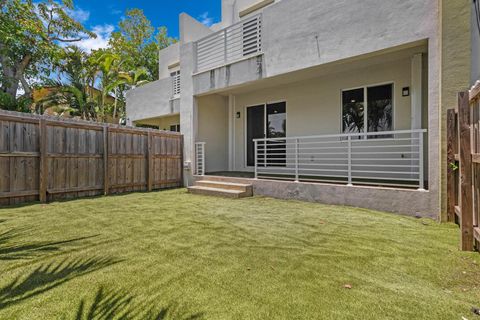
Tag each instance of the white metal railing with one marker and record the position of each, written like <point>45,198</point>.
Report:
<point>394,158</point>
<point>200,158</point>
<point>238,41</point>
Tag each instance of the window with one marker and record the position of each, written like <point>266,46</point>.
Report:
<point>369,105</point>
<point>175,83</point>
<point>175,128</point>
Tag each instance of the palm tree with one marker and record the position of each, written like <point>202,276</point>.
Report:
<point>69,99</point>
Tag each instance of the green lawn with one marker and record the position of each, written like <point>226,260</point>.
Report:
<point>171,255</point>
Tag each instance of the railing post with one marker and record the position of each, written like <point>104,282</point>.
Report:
<point>255,143</point>
<point>350,161</point>
<point>203,158</point>
<point>421,180</point>
<point>297,177</point>
<point>225,45</point>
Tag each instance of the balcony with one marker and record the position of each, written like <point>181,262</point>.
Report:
<point>238,42</point>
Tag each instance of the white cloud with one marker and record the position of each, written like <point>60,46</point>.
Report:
<point>206,19</point>
<point>116,12</point>
<point>79,15</point>
<point>103,33</point>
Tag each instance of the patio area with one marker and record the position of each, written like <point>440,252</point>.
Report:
<point>172,255</point>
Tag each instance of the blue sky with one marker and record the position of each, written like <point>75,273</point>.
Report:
<point>102,16</point>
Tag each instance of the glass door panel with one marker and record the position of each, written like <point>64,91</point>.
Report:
<point>255,130</point>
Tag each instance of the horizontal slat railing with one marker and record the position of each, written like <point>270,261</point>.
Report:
<point>394,158</point>
<point>200,158</point>
<point>231,44</point>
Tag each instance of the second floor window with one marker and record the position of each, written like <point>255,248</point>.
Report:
<point>175,76</point>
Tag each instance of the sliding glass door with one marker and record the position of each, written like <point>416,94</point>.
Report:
<point>267,121</point>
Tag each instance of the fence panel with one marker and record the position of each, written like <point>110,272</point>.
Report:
<point>463,167</point>
<point>47,159</point>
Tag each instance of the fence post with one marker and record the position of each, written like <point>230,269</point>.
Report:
<point>255,142</point>
<point>466,193</point>
<point>106,171</point>
<point>43,165</point>
<point>149,162</point>
<point>451,137</point>
<point>421,180</point>
<point>349,161</point>
<point>297,178</point>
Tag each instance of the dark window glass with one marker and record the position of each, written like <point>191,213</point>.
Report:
<point>276,128</point>
<point>276,120</point>
<point>380,108</point>
<point>353,102</point>
<point>175,128</point>
<point>255,130</point>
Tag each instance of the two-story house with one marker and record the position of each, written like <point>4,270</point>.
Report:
<point>335,101</point>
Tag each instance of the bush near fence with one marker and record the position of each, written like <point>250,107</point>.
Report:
<point>46,158</point>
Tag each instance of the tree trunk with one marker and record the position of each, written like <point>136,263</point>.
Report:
<point>12,75</point>
<point>9,83</point>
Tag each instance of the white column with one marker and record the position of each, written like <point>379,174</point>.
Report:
<point>416,95</point>
<point>231,133</point>
<point>416,91</point>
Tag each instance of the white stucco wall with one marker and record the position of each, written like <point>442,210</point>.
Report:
<point>213,130</point>
<point>167,57</point>
<point>475,49</point>
<point>345,28</point>
<point>232,8</point>
<point>151,100</point>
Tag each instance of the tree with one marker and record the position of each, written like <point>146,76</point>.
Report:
<point>30,38</point>
<point>74,95</point>
<point>137,43</point>
<point>71,100</point>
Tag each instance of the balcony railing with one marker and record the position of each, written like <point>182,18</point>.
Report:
<point>394,158</point>
<point>239,41</point>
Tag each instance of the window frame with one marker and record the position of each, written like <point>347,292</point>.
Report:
<point>365,94</point>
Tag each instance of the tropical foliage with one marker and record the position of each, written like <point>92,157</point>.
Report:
<point>38,51</point>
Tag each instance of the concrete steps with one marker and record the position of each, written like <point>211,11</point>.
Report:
<point>222,189</point>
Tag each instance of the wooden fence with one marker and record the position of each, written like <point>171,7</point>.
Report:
<point>463,172</point>
<point>45,158</point>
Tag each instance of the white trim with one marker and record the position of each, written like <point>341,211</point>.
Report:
<point>254,7</point>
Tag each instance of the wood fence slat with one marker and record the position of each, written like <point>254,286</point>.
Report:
<point>150,162</point>
<point>466,194</point>
<point>43,166</point>
<point>105,161</point>
<point>451,137</point>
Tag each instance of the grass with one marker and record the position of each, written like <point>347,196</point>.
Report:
<point>171,255</point>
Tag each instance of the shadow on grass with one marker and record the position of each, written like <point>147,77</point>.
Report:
<point>119,305</point>
<point>49,276</point>
<point>11,247</point>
